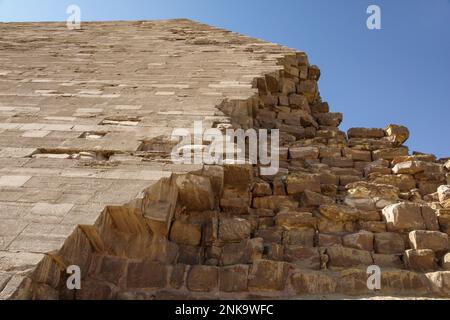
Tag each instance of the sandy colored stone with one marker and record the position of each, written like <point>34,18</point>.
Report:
<point>303,257</point>
<point>266,275</point>
<point>291,219</point>
<point>347,257</point>
<point>312,282</point>
<point>362,240</point>
<point>444,195</point>
<point>403,217</point>
<point>195,192</point>
<point>234,229</point>
<point>339,213</point>
<point>298,183</point>
<point>440,282</point>
<point>186,233</point>
<point>202,278</point>
<point>434,240</point>
<point>423,260</point>
<point>397,134</point>
<point>389,243</point>
<point>233,278</point>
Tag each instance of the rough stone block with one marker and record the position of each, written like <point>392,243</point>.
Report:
<point>434,240</point>
<point>403,217</point>
<point>244,252</point>
<point>299,182</point>
<point>440,282</point>
<point>186,233</point>
<point>444,195</point>
<point>290,219</point>
<point>267,275</point>
<point>306,282</point>
<point>146,274</point>
<point>339,213</point>
<point>362,240</point>
<point>233,278</point>
<point>195,192</point>
<point>389,243</point>
<point>202,278</point>
<point>347,257</point>
<point>397,134</point>
<point>303,257</point>
<point>420,260</point>
<point>234,229</point>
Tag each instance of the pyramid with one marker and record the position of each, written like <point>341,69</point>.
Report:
<point>87,178</point>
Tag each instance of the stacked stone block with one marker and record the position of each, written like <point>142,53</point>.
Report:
<point>341,202</point>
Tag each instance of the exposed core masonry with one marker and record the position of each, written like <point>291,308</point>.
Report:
<point>86,176</point>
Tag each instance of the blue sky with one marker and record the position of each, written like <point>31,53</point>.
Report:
<point>399,74</point>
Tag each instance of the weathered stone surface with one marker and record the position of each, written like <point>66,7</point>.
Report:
<point>420,260</point>
<point>146,274</point>
<point>314,199</point>
<point>113,269</point>
<point>312,282</point>
<point>195,192</point>
<point>303,236</point>
<point>330,119</point>
<point>202,278</point>
<point>404,282</point>
<point>389,243</point>
<point>234,229</point>
<point>373,226</point>
<point>266,275</point>
<point>233,278</point>
<point>387,260</point>
<point>261,189</point>
<point>365,133</point>
<point>362,240</point>
<point>379,195</point>
<point>290,219</point>
<point>430,218</point>
<point>244,252</point>
<point>434,240</point>
<point>274,202</point>
<point>339,213</point>
<point>300,182</point>
<point>444,195</point>
<point>303,257</point>
<point>304,153</point>
<point>403,217</point>
<point>444,222</point>
<point>397,134</point>
<point>446,262</point>
<point>177,276</point>
<point>95,290</point>
<point>353,282</point>
<point>403,182</point>
<point>328,240</point>
<point>389,153</point>
<point>186,233</point>
<point>409,167</point>
<point>347,257</point>
<point>440,282</point>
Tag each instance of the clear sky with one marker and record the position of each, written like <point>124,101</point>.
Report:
<point>399,74</point>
